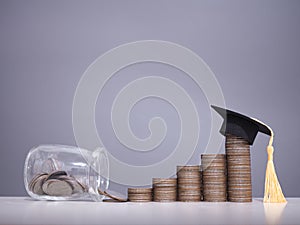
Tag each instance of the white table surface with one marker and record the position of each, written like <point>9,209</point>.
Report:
<point>23,210</point>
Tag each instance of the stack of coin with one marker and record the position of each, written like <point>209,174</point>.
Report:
<point>214,177</point>
<point>238,169</point>
<point>140,194</point>
<point>189,183</point>
<point>57,183</point>
<point>164,189</point>
<point>201,180</point>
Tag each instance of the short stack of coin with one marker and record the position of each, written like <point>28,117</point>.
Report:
<point>188,183</point>
<point>238,169</point>
<point>214,177</point>
<point>139,194</point>
<point>164,189</point>
<point>57,183</point>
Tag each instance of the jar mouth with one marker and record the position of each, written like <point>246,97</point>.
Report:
<point>98,173</point>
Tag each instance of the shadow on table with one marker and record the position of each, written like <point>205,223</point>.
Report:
<point>273,212</point>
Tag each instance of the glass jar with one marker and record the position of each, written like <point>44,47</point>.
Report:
<point>58,172</point>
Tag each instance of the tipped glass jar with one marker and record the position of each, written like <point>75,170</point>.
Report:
<point>58,172</point>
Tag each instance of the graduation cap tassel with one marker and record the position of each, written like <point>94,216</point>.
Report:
<point>273,192</point>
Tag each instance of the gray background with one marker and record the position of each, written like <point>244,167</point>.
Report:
<point>45,46</point>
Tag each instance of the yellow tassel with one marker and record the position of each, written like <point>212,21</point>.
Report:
<point>273,192</point>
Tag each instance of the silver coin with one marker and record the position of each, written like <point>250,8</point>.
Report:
<point>55,174</point>
<point>33,180</point>
<point>76,187</point>
<point>54,187</point>
<point>37,185</point>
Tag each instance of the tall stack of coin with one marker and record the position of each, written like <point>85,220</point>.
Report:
<point>189,183</point>
<point>140,194</point>
<point>164,189</point>
<point>238,169</point>
<point>214,177</point>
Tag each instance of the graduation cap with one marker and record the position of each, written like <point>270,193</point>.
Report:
<point>240,125</point>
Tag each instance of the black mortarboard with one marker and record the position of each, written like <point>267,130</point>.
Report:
<point>240,125</point>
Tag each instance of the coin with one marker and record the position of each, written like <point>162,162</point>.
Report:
<point>56,174</point>
<point>164,181</point>
<point>48,184</point>
<point>112,197</point>
<point>191,168</point>
<point>34,180</point>
<point>37,185</point>
<point>54,187</point>
<point>139,190</point>
<point>111,200</point>
<point>76,186</point>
